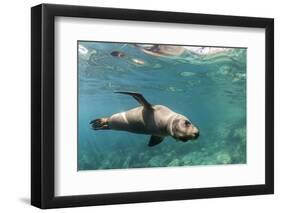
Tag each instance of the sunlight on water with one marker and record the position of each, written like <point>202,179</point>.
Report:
<point>207,87</point>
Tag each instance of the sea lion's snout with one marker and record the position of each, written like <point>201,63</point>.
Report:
<point>196,134</point>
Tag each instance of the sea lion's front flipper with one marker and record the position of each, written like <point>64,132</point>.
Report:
<point>139,98</point>
<point>154,140</point>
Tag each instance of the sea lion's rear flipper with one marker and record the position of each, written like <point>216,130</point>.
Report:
<point>100,123</point>
<point>154,140</point>
<point>139,98</point>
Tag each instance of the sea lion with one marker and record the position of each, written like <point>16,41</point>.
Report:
<point>156,120</point>
<point>117,54</point>
<point>138,61</point>
<point>162,50</point>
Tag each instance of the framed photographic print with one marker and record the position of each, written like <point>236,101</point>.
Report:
<point>139,106</point>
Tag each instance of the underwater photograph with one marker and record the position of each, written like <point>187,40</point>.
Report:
<point>160,105</point>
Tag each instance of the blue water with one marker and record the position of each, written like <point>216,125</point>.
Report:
<point>209,90</point>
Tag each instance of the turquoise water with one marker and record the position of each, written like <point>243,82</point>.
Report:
<point>209,89</point>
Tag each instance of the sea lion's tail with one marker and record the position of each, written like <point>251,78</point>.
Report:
<point>100,123</point>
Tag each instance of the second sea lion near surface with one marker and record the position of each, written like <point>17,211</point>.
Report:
<point>117,54</point>
<point>162,50</point>
<point>156,120</point>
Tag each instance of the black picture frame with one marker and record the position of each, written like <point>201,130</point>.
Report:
<point>43,102</point>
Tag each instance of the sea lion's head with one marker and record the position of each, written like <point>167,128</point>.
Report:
<point>183,129</point>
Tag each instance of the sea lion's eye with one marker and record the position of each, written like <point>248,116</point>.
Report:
<point>187,123</point>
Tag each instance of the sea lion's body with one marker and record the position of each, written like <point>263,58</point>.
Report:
<point>143,121</point>
<point>156,120</point>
